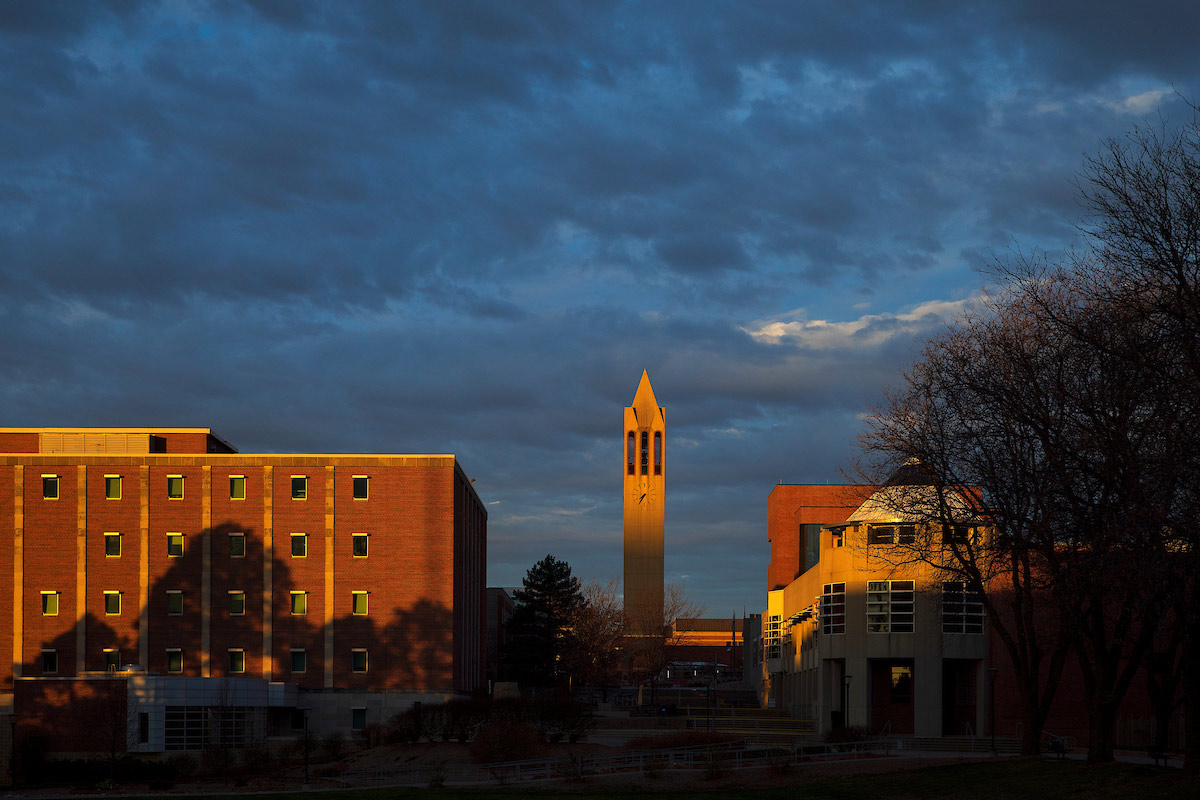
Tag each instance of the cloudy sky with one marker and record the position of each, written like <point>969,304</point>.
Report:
<point>460,227</point>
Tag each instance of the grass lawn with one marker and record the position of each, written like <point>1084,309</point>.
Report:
<point>1015,778</point>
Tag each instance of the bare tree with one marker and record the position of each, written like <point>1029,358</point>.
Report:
<point>650,648</point>
<point>597,635</point>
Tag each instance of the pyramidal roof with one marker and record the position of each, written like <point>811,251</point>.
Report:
<point>645,406</point>
<point>910,495</point>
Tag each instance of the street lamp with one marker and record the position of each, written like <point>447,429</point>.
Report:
<point>992,712</point>
<point>846,703</point>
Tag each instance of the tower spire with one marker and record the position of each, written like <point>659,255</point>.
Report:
<point>645,482</point>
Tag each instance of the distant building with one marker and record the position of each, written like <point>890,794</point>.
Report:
<point>212,585</point>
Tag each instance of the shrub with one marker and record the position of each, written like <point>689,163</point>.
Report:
<point>334,744</point>
<point>505,741</point>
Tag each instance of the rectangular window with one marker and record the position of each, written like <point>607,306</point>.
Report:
<point>49,662</point>
<point>645,452</point>
<point>838,537</point>
<point>906,534</point>
<point>962,611</point>
<point>358,719</point>
<point>174,602</point>
<point>174,487</point>
<point>237,545</point>
<point>174,545</point>
<point>299,602</point>
<point>358,659</point>
<point>112,544</point>
<point>958,534</point>
<point>881,534</point>
<point>112,603</point>
<point>112,659</point>
<point>237,660</point>
<point>237,487</point>
<point>50,604</point>
<point>299,487</point>
<point>237,602</point>
<point>358,603</point>
<point>360,487</point>
<point>299,660</point>
<point>890,606</point>
<point>833,608</point>
<point>359,543</point>
<point>143,727</point>
<point>299,545</point>
<point>112,487</point>
<point>49,487</point>
<point>658,453</point>
<point>174,659</point>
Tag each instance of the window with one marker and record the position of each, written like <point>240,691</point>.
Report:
<point>901,683</point>
<point>962,611</point>
<point>174,602</point>
<point>645,451</point>
<point>361,485</point>
<point>890,606</point>
<point>143,727</point>
<point>174,545</point>
<point>958,534</point>
<point>891,534</point>
<point>49,487</point>
<point>174,659</point>
<point>237,602</point>
<point>237,545</point>
<point>299,660</point>
<point>237,660</point>
<point>112,544</point>
<point>49,662</point>
<point>237,487</point>
<point>358,659</point>
<point>299,545</point>
<point>299,487</point>
<point>112,659</point>
<point>631,454</point>
<point>833,608</point>
<point>49,604</point>
<point>299,602</point>
<point>658,452</point>
<point>112,487</point>
<point>358,719</point>
<point>174,487</point>
<point>358,603</point>
<point>359,543</point>
<point>112,603</point>
<point>838,537</point>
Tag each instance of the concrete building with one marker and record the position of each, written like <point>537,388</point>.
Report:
<point>337,587</point>
<point>645,484</point>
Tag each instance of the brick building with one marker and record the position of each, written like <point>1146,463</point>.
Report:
<point>338,587</point>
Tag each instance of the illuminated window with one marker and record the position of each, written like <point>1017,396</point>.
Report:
<point>174,659</point>
<point>50,604</point>
<point>174,545</point>
<point>112,487</point>
<point>299,487</point>
<point>359,543</point>
<point>112,659</point>
<point>833,608</point>
<point>237,602</point>
<point>358,604</point>
<point>112,603</point>
<point>174,487</point>
<point>237,545</point>
<point>237,660</point>
<point>112,544</point>
<point>358,659</point>
<point>49,662</point>
<point>361,485</point>
<point>299,660</point>
<point>890,606</point>
<point>237,487</point>
<point>299,545</point>
<point>174,602</point>
<point>299,602</point>
<point>49,487</point>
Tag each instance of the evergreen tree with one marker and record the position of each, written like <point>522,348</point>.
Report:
<point>541,624</point>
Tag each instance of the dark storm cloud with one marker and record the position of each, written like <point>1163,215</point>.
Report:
<point>467,227</point>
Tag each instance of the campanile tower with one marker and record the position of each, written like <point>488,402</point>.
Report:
<point>645,472</point>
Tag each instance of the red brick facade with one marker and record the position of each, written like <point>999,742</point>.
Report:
<point>791,506</point>
<point>391,585</point>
